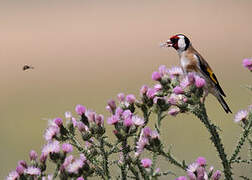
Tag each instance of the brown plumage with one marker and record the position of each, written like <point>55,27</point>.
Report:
<point>203,67</point>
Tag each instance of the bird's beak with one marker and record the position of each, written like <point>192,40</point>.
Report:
<point>166,44</point>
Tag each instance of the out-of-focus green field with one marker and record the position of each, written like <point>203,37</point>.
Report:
<point>85,52</point>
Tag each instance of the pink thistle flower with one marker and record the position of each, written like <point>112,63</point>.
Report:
<point>211,169</point>
<point>157,170</point>
<point>67,148</point>
<point>109,109</point>
<point>119,111</point>
<point>143,90</point>
<point>191,77</point>
<point>68,115</point>
<point>141,143</point>
<point>121,158</point>
<point>13,175</point>
<point>146,163</point>
<point>178,90</point>
<point>201,161</point>
<point>22,163</point>
<point>121,97</point>
<point>185,82</point>
<point>138,121</point>
<point>241,116</point>
<point>181,178</point>
<point>33,171</point>
<point>20,169</point>
<point>33,155</point>
<point>89,145</point>
<point>156,76</point>
<point>49,177</point>
<point>247,63</point>
<point>113,120</point>
<point>51,147</point>
<point>155,100</point>
<point>115,132</point>
<point>80,109</point>
<point>199,82</point>
<point>74,166</point>
<point>151,93</point>
<point>216,175</point>
<point>43,158</point>
<point>99,120</point>
<point>80,178</point>
<point>51,132</point>
<point>130,98</point>
<point>174,111</point>
<point>112,104</point>
<point>128,122</point>
<point>162,70</point>
<point>127,114</point>
<point>173,99</point>
<point>158,87</point>
<point>74,121</point>
<point>83,157</point>
<point>67,161</point>
<point>82,127</point>
<point>154,135</point>
<point>175,71</point>
<point>191,175</point>
<point>90,115</point>
<point>147,131</point>
<point>58,121</point>
<point>200,173</point>
<point>193,167</point>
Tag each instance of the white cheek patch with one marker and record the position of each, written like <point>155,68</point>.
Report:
<point>181,43</point>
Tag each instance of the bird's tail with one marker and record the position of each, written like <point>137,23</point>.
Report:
<point>223,103</point>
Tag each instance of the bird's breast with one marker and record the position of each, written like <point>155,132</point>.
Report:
<point>184,62</point>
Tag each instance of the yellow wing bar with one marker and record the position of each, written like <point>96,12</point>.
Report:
<point>211,74</point>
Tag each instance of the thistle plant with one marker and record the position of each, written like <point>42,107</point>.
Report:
<point>79,147</point>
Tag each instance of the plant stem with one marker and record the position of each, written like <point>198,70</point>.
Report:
<point>105,159</point>
<point>240,143</point>
<point>123,168</point>
<point>142,171</point>
<point>134,171</point>
<point>114,149</point>
<point>76,143</point>
<point>154,161</point>
<point>56,171</point>
<point>146,114</point>
<point>159,119</point>
<point>200,112</point>
<point>172,160</point>
<point>250,150</point>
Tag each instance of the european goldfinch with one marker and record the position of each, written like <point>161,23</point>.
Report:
<point>192,61</point>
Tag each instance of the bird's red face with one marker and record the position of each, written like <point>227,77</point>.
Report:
<point>178,42</point>
<point>174,42</point>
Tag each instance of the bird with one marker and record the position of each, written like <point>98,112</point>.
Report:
<point>26,67</point>
<point>192,61</point>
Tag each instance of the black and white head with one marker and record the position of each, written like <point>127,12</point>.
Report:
<point>179,42</point>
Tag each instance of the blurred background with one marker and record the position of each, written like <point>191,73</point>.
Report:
<point>87,51</point>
